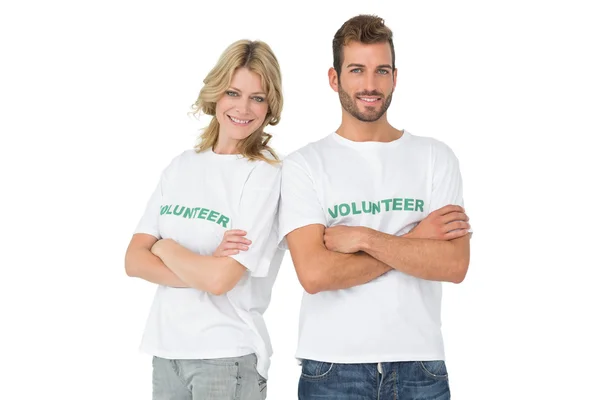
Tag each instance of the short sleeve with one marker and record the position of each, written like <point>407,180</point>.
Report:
<point>447,186</point>
<point>149,222</point>
<point>299,205</point>
<point>257,215</point>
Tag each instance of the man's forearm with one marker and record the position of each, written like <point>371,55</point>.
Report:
<point>333,271</point>
<point>141,263</point>
<point>437,260</point>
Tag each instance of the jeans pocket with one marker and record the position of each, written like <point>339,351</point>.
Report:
<point>434,369</point>
<point>225,361</point>
<point>262,385</point>
<point>315,370</point>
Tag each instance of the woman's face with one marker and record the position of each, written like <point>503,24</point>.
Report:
<point>242,108</point>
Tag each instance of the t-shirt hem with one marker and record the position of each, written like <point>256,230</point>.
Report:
<point>371,358</point>
<point>201,355</point>
<point>262,366</point>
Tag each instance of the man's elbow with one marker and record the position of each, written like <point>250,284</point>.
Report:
<point>311,281</point>
<point>311,287</point>
<point>460,270</point>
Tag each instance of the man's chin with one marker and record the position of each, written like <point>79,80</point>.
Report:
<point>367,117</point>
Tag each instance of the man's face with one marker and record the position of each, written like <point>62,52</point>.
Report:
<point>366,81</point>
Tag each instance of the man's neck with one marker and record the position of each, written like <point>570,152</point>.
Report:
<point>359,131</point>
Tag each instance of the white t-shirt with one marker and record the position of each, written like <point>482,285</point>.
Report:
<point>388,187</point>
<point>199,197</point>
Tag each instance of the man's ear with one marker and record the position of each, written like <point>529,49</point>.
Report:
<point>333,79</point>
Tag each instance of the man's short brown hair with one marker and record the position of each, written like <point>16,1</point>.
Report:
<point>366,29</point>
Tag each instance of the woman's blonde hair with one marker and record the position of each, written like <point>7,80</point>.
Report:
<point>258,57</point>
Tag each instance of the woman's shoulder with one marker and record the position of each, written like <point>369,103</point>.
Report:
<point>182,161</point>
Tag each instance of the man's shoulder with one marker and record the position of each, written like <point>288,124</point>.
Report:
<point>308,151</point>
<point>434,145</point>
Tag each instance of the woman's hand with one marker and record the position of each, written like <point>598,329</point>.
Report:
<point>233,242</point>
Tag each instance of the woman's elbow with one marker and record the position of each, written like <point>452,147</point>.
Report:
<point>130,266</point>
<point>225,278</point>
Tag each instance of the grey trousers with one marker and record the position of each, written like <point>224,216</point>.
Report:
<point>233,378</point>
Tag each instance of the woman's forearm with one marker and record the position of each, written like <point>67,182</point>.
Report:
<point>215,275</point>
<point>141,263</point>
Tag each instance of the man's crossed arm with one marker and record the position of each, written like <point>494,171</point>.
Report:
<point>341,257</point>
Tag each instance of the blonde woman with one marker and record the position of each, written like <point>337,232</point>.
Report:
<point>208,239</point>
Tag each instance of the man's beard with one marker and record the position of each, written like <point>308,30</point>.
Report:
<point>349,104</point>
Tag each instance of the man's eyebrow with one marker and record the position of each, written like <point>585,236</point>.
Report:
<point>355,65</point>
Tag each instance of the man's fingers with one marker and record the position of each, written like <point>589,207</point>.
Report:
<point>454,216</point>
<point>456,234</point>
<point>456,225</point>
<point>448,209</point>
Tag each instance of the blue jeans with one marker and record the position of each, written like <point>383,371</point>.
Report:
<point>233,378</point>
<point>410,380</point>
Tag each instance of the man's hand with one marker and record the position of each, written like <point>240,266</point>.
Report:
<point>447,223</point>
<point>233,242</point>
<point>344,239</point>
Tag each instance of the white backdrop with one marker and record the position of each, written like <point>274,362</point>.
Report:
<point>94,102</point>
